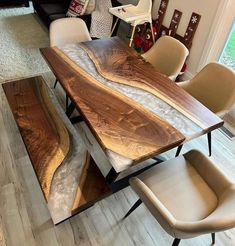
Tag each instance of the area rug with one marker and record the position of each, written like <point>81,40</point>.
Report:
<point>21,36</point>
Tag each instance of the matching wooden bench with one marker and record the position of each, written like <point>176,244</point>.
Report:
<point>69,178</point>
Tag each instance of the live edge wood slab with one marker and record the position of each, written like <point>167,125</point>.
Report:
<point>125,130</point>
<point>68,176</point>
<point>117,62</point>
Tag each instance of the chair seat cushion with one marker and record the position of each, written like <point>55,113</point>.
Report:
<point>180,189</point>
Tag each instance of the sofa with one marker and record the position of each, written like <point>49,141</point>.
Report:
<point>50,10</point>
<point>14,3</point>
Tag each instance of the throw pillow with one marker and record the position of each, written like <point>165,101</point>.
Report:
<point>77,8</point>
<point>90,7</point>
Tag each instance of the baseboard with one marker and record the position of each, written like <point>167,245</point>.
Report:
<point>187,75</point>
<point>227,132</point>
<point>229,126</point>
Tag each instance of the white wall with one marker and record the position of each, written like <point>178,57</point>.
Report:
<point>217,16</point>
<point>206,8</point>
<point>219,32</point>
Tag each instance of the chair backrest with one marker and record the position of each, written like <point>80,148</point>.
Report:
<point>213,86</point>
<point>167,55</point>
<point>68,30</point>
<point>144,6</point>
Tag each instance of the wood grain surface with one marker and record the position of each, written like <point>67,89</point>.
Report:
<point>115,61</point>
<point>125,130</point>
<point>50,145</point>
<point>25,219</point>
<point>45,137</point>
<point>92,187</point>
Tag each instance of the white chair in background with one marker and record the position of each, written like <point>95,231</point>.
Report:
<point>167,55</point>
<point>134,15</point>
<point>68,30</point>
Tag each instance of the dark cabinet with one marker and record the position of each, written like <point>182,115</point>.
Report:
<point>4,3</point>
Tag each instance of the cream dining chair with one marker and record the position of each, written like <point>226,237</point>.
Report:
<point>189,196</point>
<point>214,87</point>
<point>167,55</point>
<point>68,30</point>
<point>134,15</point>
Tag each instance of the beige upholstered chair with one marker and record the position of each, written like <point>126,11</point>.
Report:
<point>213,86</point>
<point>167,55</point>
<point>135,15</point>
<point>68,30</point>
<point>189,196</point>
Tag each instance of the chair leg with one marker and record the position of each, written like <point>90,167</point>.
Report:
<point>151,26</point>
<point>132,35</point>
<point>209,142</point>
<point>114,27</point>
<point>56,81</point>
<point>136,205</point>
<point>178,150</point>
<point>213,238</point>
<point>176,242</point>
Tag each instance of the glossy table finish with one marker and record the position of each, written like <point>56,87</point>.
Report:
<point>133,111</point>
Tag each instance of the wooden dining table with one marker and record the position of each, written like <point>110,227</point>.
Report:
<point>133,111</point>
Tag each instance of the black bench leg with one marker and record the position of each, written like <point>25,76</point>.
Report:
<point>178,150</point>
<point>134,207</point>
<point>56,81</point>
<point>176,242</point>
<point>209,142</point>
<point>111,176</point>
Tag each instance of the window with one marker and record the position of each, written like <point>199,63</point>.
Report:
<point>228,54</point>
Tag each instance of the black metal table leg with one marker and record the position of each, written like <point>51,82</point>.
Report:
<point>70,109</point>
<point>133,208</point>
<point>176,242</point>
<point>76,119</point>
<point>67,102</point>
<point>213,238</point>
<point>159,158</point>
<point>111,176</point>
<point>209,142</point>
<point>178,150</point>
<point>124,182</point>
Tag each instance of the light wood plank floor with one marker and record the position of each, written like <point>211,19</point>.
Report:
<point>25,220</point>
